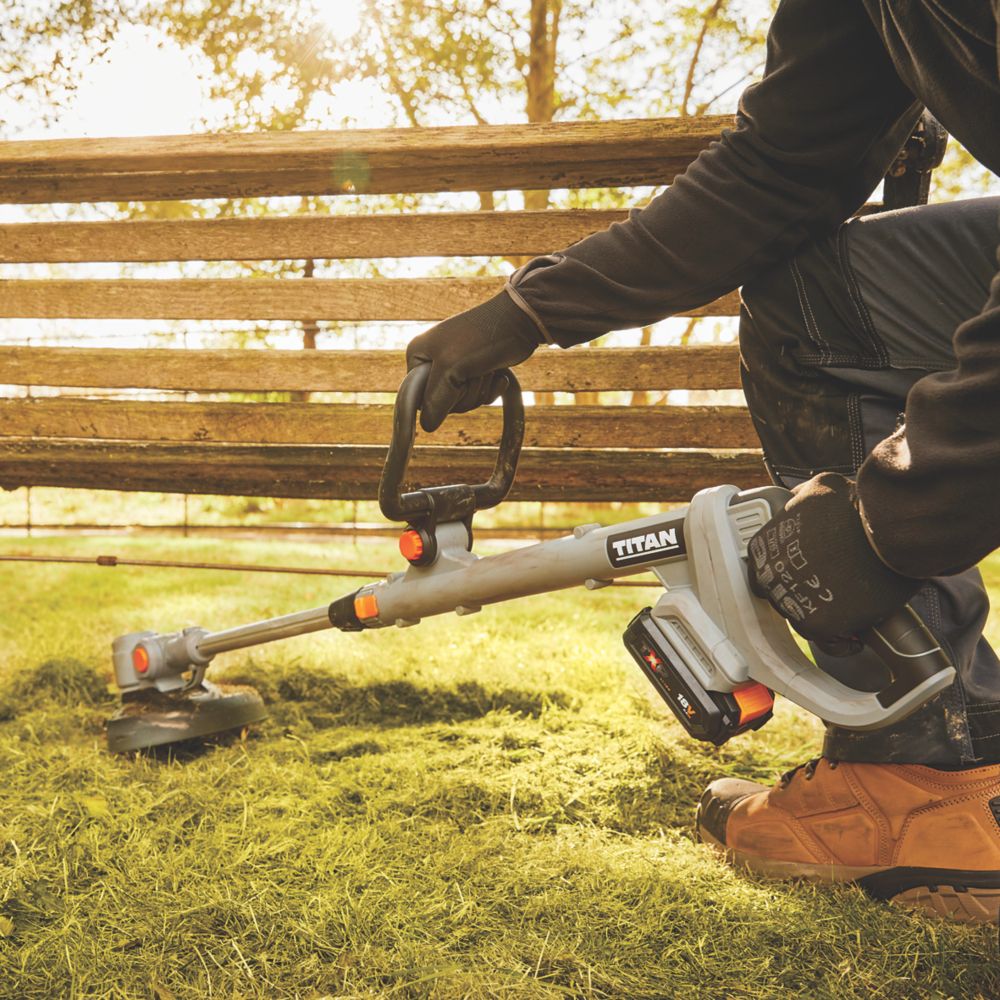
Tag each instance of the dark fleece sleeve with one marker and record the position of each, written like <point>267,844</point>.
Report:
<point>811,142</point>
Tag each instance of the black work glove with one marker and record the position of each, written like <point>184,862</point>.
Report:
<point>465,352</point>
<point>815,565</point>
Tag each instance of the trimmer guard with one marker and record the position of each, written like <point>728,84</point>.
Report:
<point>151,719</point>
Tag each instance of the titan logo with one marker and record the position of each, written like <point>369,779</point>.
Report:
<point>659,542</point>
<point>644,546</point>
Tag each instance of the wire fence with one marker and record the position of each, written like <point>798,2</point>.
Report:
<point>112,561</point>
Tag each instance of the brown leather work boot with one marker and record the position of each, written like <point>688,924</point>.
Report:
<point>903,832</point>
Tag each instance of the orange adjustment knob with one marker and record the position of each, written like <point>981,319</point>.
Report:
<point>140,659</point>
<point>411,545</point>
<point>366,606</point>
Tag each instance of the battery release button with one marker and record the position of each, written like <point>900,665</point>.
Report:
<point>754,700</point>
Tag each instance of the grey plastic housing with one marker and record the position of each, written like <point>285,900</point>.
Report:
<point>169,657</point>
<point>732,636</point>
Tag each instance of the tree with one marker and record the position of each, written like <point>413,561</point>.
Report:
<point>39,40</point>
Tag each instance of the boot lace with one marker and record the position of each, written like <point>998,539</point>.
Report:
<point>808,769</point>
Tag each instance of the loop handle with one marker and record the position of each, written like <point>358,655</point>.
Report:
<point>455,502</point>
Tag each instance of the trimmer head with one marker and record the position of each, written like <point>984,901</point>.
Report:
<point>149,718</point>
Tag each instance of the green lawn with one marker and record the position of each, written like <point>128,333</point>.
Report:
<point>477,807</point>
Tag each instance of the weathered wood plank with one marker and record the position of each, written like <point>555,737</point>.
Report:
<point>347,299</point>
<point>480,158</point>
<point>331,237</point>
<point>337,237</point>
<point>348,423</point>
<point>352,472</point>
<point>577,370</point>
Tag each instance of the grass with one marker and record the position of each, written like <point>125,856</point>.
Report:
<point>474,808</point>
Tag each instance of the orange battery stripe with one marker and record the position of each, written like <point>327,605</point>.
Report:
<point>754,700</point>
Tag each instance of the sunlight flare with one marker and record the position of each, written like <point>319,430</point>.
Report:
<point>342,18</point>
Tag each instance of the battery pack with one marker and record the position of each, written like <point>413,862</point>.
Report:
<point>711,716</point>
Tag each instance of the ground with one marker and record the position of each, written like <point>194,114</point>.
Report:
<point>477,807</point>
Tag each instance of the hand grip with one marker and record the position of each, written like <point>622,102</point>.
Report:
<point>905,645</point>
<point>918,667</point>
<point>446,502</point>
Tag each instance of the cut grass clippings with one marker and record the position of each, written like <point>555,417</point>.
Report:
<point>475,808</point>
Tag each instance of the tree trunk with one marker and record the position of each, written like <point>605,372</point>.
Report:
<point>541,78</point>
<point>541,91</point>
<point>707,20</point>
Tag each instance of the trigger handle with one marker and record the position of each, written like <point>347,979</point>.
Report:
<point>905,645</point>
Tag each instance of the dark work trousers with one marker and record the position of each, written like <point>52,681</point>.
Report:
<point>830,343</point>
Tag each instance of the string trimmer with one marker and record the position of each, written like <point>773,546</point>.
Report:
<point>714,652</point>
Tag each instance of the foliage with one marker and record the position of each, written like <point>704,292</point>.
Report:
<point>467,61</point>
<point>475,808</point>
<point>272,64</point>
<point>961,176</point>
<point>39,40</point>
<point>268,60</point>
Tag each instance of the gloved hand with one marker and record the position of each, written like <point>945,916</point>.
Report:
<point>815,565</point>
<point>465,352</point>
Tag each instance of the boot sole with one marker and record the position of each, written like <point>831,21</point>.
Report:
<point>971,897</point>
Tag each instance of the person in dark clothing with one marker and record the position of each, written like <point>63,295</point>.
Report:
<point>871,367</point>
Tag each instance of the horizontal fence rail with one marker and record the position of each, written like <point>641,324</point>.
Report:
<point>384,161</point>
<point>590,369</point>
<point>358,423</point>
<point>330,237</point>
<point>348,299</point>
<point>593,369</point>
<point>308,237</point>
<point>352,472</point>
